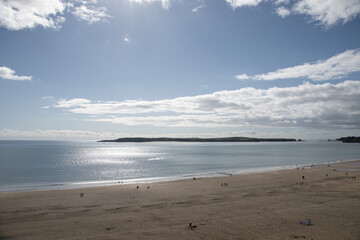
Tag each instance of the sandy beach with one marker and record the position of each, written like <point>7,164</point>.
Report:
<point>249,206</point>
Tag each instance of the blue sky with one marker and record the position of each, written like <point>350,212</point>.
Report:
<point>72,69</point>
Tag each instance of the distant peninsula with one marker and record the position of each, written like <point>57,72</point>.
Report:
<point>349,139</point>
<point>226,139</point>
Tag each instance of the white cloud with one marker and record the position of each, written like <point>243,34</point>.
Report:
<point>279,2</point>
<point>126,38</point>
<point>55,134</point>
<point>164,3</point>
<point>328,12</point>
<point>242,3</point>
<point>283,12</point>
<point>338,66</point>
<point>48,98</point>
<point>242,77</point>
<point>305,106</point>
<point>73,102</point>
<point>9,74</point>
<point>19,14</point>
<point>91,14</point>
<point>196,9</point>
<point>15,134</point>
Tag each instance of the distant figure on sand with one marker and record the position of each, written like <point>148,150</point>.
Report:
<point>148,187</point>
<point>81,194</point>
<point>137,187</point>
<point>306,223</point>
<point>192,226</point>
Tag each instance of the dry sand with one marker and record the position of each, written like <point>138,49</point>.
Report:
<point>254,206</point>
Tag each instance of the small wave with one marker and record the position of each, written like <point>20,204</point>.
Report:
<point>348,169</point>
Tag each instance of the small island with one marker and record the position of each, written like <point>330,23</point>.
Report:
<point>226,139</point>
<point>349,139</point>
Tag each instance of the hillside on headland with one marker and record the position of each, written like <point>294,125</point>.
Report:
<point>226,139</point>
<point>349,139</point>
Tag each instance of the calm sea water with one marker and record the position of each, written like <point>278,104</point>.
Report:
<point>35,165</point>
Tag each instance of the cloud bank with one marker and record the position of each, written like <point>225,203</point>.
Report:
<point>326,13</point>
<point>20,14</point>
<point>308,105</point>
<point>336,67</point>
<point>54,134</point>
<point>9,74</point>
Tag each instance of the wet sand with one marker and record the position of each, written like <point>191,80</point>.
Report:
<point>249,206</point>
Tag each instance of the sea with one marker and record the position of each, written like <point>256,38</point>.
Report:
<point>50,165</point>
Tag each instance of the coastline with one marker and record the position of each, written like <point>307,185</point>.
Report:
<point>251,206</point>
<point>224,139</point>
<point>114,182</point>
<point>89,164</point>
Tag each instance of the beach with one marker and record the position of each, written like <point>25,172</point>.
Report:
<point>271,205</point>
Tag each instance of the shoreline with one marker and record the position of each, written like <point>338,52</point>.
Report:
<point>207,140</point>
<point>267,205</point>
<point>114,182</point>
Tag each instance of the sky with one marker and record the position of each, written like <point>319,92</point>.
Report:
<point>104,69</point>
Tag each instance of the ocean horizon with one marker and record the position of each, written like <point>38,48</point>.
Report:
<point>47,165</point>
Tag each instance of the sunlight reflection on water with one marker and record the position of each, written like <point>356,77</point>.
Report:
<point>117,155</point>
<point>39,163</point>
